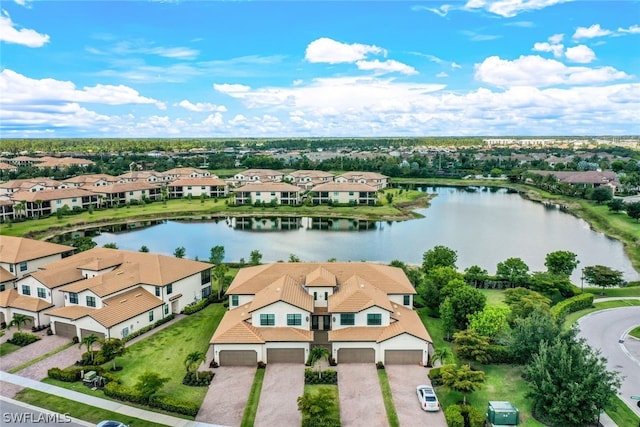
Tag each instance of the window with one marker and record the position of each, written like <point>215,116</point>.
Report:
<point>257,193</point>
<point>374,319</point>
<point>157,291</point>
<point>234,300</point>
<point>11,268</point>
<point>267,320</point>
<point>169,288</point>
<point>294,319</point>
<point>166,309</point>
<point>26,290</point>
<point>125,332</point>
<point>407,300</point>
<point>315,296</point>
<point>2,288</point>
<point>206,292</point>
<point>205,277</point>
<point>326,296</point>
<point>23,266</point>
<point>74,200</point>
<point>348,319</point>
<point>73,298</point>
<point>42,293</point>
<point>91,301</point>
<point>58,202</point>
<point>273,193</point>
<point>151,316</point>
<point>131,193</point>
<point>351,193</point>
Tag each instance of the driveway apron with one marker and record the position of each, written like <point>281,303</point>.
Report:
<point>29,352</point>
<point>283,384</point>
<point>227,396</point>
<point>403,380</point>
<point>361,403</point>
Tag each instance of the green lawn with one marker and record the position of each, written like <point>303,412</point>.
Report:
<point>392,415</point>
<point>77,409</point>
<point>6,348</point>
<point>495,297</point>
<point>165,352</point>
<point>630,291</point>
<point>573,317</point>
<point>635,332</point>
<point>314,389</point>
<point>250,411</point>
<point>621,414</point>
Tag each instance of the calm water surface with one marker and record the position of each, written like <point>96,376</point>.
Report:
<point>484,227</point>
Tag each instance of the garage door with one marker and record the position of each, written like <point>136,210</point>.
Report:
<point>85,332</point>
<point>356,355</point>
<point>402,357</point>
<point>238,358</point>
<point>285,355</point>
<point>64,329</point>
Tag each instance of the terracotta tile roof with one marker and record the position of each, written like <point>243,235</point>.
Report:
<point>55,194</point>
<point>320,277</point>
<point>406,321</point>
<point>91,178</point>
<point>100,263</point>
<point>260,172</point>
<point>124,306</point>
<point>11,298</point>
<point>310,174</point>
<point>122,187</point>
<point>53,279</point>
<point>185,171</point>
<point>234,328</point>
<point>356,333</point>
<point>283,289</point>
<point>363,175</point>
<point>7,166</point>
<point>205,180</point>
<point>18,249</point>
<point>344,186</point>
<point>140,175</point>
<point>71,312</point>
<point>5,276</point>
<point>284,333</point>
<point>356,294</point>
<point>268,186</point>
<point>108,283</point>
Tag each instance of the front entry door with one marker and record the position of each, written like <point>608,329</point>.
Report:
<point>326,323</point>
<point>314,323</point>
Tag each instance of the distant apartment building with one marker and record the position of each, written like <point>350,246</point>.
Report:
<point>279,193</point>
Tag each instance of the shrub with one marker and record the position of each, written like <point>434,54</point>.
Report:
<point>175,405</point>
<point>379,365</point>
<point>435,376</point>
<point>22,339</point>
<point>464,415</point>
<point>454,417</point>
<point>203,380</point>
<point>193,308</point>
<point>261,365</point>
<point>499,354</point>
<point>74,373</point>
<point>572,304</point>
<point>328,376</point>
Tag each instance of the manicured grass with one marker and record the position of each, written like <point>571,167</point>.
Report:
<point>165,352</point>
<point>39,358</point>
<point>77,409</point>
<point>250,411</point>
<point>495,297</point>
<point>504,382</point>
<point>392,415</point>
<point>573,317</point>
<point>621,414</point>
<point>6,348</point>
<point>635,332</point>
<point>314,389</point>
<point>630,291</point>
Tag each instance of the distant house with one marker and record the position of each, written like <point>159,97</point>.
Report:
<point>90,180</point>
<point>208,186</point>
<point>29,184</point>
<point>307,179</point>
<point>279,193</point>
<point>179,173</point>
<point>344,193</point>
<point>20,256</point>
<point>6,167</point>
<point>137,176</point>
<point>257,175</point>
<point>63,162</point>
<point>373,179</point>
<point>50,201</point>
<point>583,178</point>
<point>127,192</point>
<point>361,312</point>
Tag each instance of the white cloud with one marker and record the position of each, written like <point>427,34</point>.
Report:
<point>634,29</point>
<point>175,52</point>
<point>556,38</point>
<point>24,36</point>
<point>333,52</point>
<point>590,32</point>
<point>440,11</point>
<point>442,74</point>
<point>202,107</point>
<point>537,71</point>
<point>388,66</point>
<point>475,37</point>
<point>510,8</point>
<point>231,89</point>
<point>557,49</point>
<point>454,65</point>
<point>581,54</point>
<point>214,120</point>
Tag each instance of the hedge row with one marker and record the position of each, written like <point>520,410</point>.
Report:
<point>193,308</point>
<point>328,376</point>
<point>464,415</point>
<point>123,393</point>
<point>73,373</point>
<point>22,338</point>
<point>147,328</point>
<point>573,304</point>
<point>202,380</point>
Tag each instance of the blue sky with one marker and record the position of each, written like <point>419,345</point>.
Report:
<point>305,68</point>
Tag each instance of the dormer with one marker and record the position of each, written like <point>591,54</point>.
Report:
<point>321,284</point>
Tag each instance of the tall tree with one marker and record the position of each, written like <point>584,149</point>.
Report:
<point>475,274</point>
<point>601,194</point>
<point>531,330</point>
<point>602,276</point>
<point>462,379</point>
<point>491,322</point>
<point>569,382</point>
<point>466,301</point>
<point>513,270</point>
<point>434,282</point>
<point>179,252</point>
<point>439,256</point>
<point>255,257</point>
<point>19,320</point>
<point>193,361</point>
<point>447,315</point>
<point>633,210</point>
<point>219,272</point>
<point>561,262</point>
<point>112,348</point>
<point>216,255</point>
<point>88,341</point>
<point>523,301</point>
<point>144,248</point>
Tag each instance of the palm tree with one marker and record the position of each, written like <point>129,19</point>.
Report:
<point>219,272</point>
<point>112,348</point>
<point>443,354</point>
<point>194,359</point>
<point>19,207</point>
<point>19,320</point>
<point>316,354</point>
<point>88,341</point>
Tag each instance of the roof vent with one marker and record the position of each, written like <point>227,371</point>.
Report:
<point>123,301</point>
<point>137,295</point>
<point>119,273</point>
<point>277,289</point>
<point>362,285</point>
<point>395,306</point>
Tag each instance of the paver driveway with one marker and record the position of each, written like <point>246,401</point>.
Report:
<point>283,384</point>
<point>31,351</point>
<point>227,395</point>
<point>403,380</point>
<point>361,403</point>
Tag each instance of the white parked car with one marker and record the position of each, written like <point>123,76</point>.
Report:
<point>427,397</point>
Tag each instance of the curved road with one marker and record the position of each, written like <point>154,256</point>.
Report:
<point>602,330</point>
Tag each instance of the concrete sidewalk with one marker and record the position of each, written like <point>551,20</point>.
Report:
<point>97,402</point>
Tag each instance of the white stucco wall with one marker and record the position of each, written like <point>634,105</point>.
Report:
<point>281,309</point>
<point>82,299</point>
<point>399,299</point>
<point>242,299</point>
<point>138,322</point>
<point>406,342</point>
<point>321,301</point>
<point>32,265</point>
<point>189,287</point>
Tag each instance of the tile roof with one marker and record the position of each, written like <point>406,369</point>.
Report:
<point>344,186</point>
<point>320,277</point>
<point>283,289</point>
<point>108,283</point>
<point>91,178</point>
<point>5,276</point>
<point>55,278</point>
<point>284,333</point>
<point>185,171</point>
<point>356,294</point>
<point>11,298</point>
<point>363,175</point>
<point>18,249</point>
<point>234,328</point>
<point>268,186</point>
<point>30,182</point>
<point>54,194</point>
<point>71,312</point>
<point>124,306</point>
<point>121,187</point>
<point>310,173</point>
<point>205,180</point>
<point>356,333</point>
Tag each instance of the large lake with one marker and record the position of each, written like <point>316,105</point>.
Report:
<point>484,227</point>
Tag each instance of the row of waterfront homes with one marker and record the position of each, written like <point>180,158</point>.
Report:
<point>362,312</point>
<point>32,198</point>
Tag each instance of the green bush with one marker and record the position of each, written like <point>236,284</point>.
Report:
<point>454,417</point>
<point>500,354</point>
<point>190,309</point>
<point>127,394</point>
<point>435,376</point>
<point>573,304</point>
<point>22,339</point>
<point>328,376</point>
<point>74,373</point>
<point>203,380</point>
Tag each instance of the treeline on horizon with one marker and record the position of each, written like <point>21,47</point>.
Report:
<point>106,145</point>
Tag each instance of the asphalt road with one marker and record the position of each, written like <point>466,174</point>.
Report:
<point>602,330</point>
<point>18,414</point>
